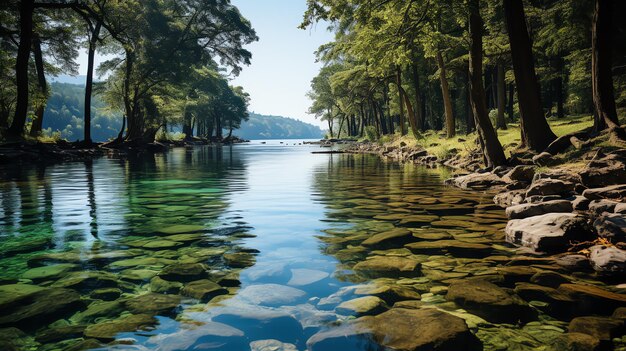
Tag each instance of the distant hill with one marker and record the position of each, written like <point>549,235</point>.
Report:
<point>65,109</point>
<point>277,127</point>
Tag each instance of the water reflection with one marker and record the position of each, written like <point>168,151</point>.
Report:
<point>253,247</point>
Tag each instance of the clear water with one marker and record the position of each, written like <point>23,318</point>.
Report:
<point>272,216</point>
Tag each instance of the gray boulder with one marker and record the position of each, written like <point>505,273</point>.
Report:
<point>551,187</point>
<point>535,209</point>
<point>551,232</point>
<point>609,192</point>
<point>611,226</point>
<point>608,259</point>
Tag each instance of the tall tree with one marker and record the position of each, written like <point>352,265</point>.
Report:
<point>605,115</point>
<point>26,9</point>
<point>492,149</point>
<point>536,133</point>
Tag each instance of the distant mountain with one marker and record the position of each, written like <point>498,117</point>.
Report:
<point>277,127</point>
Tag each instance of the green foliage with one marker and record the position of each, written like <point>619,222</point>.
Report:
<point>64,111</point>
<point>276,127</point>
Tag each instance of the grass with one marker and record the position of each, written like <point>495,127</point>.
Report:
<point>437,144</point>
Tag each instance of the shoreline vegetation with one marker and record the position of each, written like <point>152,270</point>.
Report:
<point>539,192</point>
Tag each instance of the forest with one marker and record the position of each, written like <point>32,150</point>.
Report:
<point>169,63</point>
<point>463,66</point>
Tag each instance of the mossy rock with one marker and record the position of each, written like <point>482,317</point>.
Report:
<point>184,272</point>
<point>39,308</point>
<point>106,331</point>
<point>159,285</point>
<point>48,272</point>
<point>99,309</point>
<point>203,290</point>
<point>153,304</point>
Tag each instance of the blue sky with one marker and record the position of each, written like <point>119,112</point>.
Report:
<point>283,61</point>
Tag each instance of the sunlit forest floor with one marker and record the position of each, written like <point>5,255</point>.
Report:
<point>436,144</point>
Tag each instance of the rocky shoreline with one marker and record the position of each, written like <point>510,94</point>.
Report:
<point>580,216</point>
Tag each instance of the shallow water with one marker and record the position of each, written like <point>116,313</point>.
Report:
<point>278,229</point>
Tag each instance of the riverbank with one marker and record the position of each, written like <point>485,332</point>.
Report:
<point>570,202</point>
<point>47,152</point>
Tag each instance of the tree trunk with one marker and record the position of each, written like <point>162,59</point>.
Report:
<point>411,112</point>
<point>399,83</point>
<point>601,75</point>
<point>89,82</point>
<point>501,121</point>
<point>511,102</point>
<point>447,100</point>
<point>187,130</point>
<point>536,133</point>
<point>330,125</point>
<point>558,87</point>
<point>469,118</point>
<point>389,117</point>
<point>37,125</point>
<point>419,117</point>
<point>26,8</point>
<point>492,150</point>
<point>128,109</point>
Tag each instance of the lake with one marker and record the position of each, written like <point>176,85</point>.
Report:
<point>249,247</point>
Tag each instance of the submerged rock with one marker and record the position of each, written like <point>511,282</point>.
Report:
<point>106,331</point>
<point>203,290</point>
<point>552,232</point>
<point>184,272</point>
<point>271,345</point>
<point>302,276</point>
<point>399,329</point>
<point>87,281</point>
<point>388,266</point>
<point>489,301</point>
<point>153,304</point>
<point>163,286</point>
<point>260,323</point>
<point>239,259</point>
<point>362,306</point>
<point>592,299</point>
<point>48,272</point>
<point>271,294</point>
<point>99,309</point>
<point>603,328</point>
<point>391,239</point>
<point>208,336</point>
<point>36,309</point>
<point>575,342</point>
<point>455,247</point>
<point>60,333</point>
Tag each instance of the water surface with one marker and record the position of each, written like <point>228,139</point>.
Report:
<point>224,248</point>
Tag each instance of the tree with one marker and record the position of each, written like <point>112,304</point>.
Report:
<point>536,133</point>
<point>492,149</point>
<point>605,115</point>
